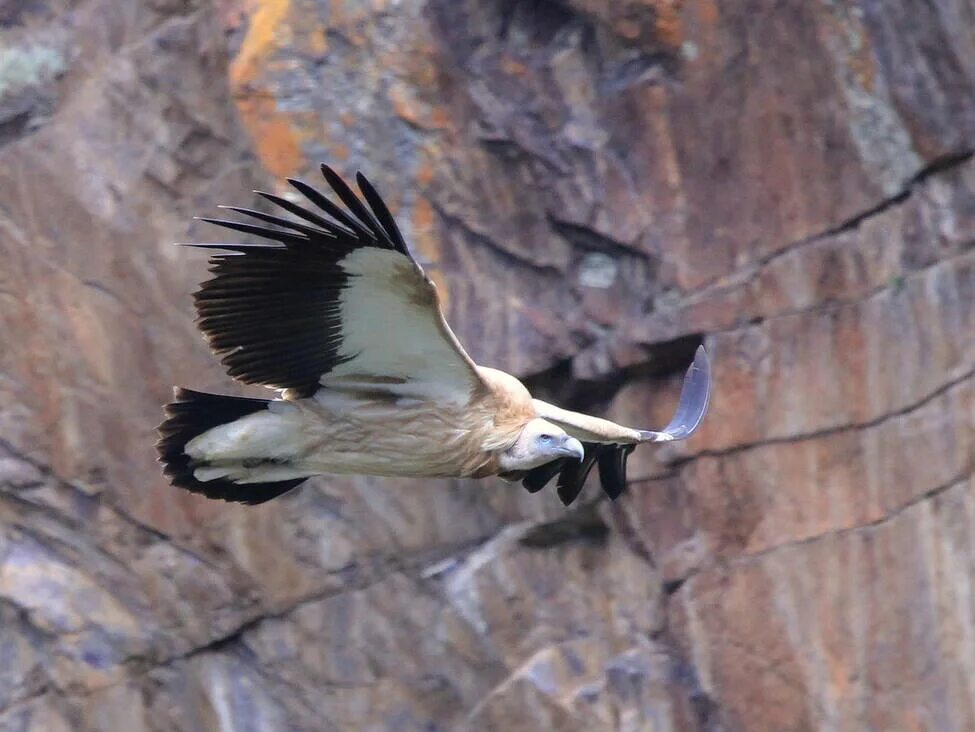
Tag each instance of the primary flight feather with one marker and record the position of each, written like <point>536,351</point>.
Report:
<point>335,313</point>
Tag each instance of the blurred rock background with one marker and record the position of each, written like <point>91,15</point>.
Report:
<point>599,185</point>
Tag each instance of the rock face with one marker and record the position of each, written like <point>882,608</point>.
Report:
<point>599,185</point>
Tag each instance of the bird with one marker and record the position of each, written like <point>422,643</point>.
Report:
<point>330,309</point>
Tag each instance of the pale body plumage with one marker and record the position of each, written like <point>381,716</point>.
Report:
<point>334,432</point>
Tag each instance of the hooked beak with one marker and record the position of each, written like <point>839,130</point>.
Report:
<point>571,447</point>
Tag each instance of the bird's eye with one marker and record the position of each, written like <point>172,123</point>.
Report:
<point>545,438</point>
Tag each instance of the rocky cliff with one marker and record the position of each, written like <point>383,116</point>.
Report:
<point>599,186</point>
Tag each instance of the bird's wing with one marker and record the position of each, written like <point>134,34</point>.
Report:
<point>608,444</point>
<point>332,298</point>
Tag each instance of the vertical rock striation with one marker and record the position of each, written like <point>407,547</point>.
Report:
<point>599,186</point>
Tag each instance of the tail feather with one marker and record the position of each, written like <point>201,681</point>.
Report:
<point>190,414</point>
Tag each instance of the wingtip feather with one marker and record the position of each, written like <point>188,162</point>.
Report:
<point>692,405</point>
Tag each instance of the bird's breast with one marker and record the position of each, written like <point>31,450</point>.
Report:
<point>377,433</point>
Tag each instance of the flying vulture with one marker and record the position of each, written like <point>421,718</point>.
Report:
<point>334,312</point>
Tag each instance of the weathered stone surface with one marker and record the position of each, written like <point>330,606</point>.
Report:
<point>867,636</point>
<point>598,186</point>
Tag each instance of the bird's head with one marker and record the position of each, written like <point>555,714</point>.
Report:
<point>540,442</point>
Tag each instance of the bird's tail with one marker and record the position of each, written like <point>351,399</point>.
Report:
<point>189,415</point>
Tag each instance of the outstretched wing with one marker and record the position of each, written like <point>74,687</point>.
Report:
<point>332,298</point>
<point>609,444</point>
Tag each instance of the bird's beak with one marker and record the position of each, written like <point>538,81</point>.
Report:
<point>571,447</point>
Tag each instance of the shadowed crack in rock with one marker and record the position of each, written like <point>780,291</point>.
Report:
<point>938,165</point>
<point>662,360</point>
<point>43,690</point>
<point>941,165</point>
<point>587,237</point>
<point>359,577</point>
<point>961,478</point>
<point>836,304</point>
<point>847,427</point>
<point>580,524</point>
<point>675,585</point>
<point>101,500</point>
<point>510,255</point>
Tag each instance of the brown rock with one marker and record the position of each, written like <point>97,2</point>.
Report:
<point>597,186</point>
<point>813,652</point>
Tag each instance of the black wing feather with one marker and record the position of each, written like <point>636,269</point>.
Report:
<point>538,478</point>
<point>612,469</point>
<point>611,460</point>
<point>382,213</point>
<point>285,237</point>
<point>278,221</point>
<point>356,228</point>
<point>304,213</point>
<point>574,474</point>
<point>271,311</point>
<point>354,205</point>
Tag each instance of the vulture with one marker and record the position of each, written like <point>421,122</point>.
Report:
<point>332,310</point>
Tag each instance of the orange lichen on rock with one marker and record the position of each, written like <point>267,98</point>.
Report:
<point>426,243</point>
<point>668,26</point>
<point>514,67</point>
<point>318,41</point>
<point>406,105</point>
<point>423,229</point>
<point>640,20</point>
<point>274,135</point>
<point>412,109</point>
<point>426,171</point>
<point>708,12</point>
